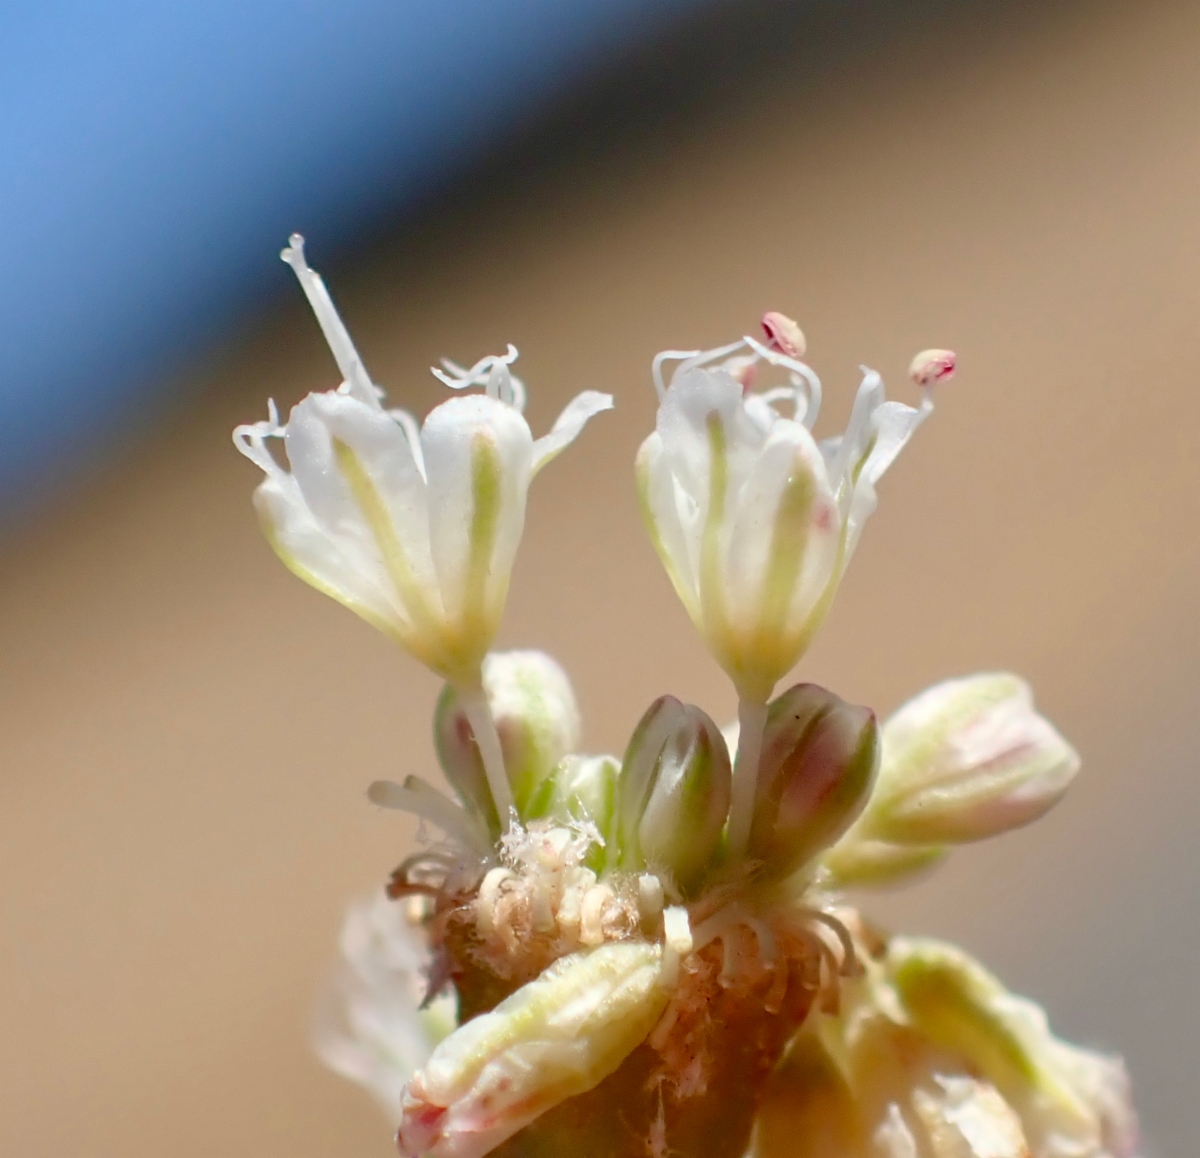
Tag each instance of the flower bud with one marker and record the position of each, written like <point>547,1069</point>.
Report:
<point>1070,1101</point>
<point>536,718</point>
<point>674,792</point>
<point>818,763</point>
<point>557,1036</point>
<point>968,759</point>
<point>582,790</point>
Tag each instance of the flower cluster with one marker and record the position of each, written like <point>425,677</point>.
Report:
<point>653,953</point>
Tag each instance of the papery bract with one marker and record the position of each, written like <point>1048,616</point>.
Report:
<point>373,1025</point>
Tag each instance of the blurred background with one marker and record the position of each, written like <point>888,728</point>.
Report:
<point>186,731</point>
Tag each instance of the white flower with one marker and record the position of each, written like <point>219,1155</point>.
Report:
<point>753,518</point>
<point>370,1026</point>
<point>416,531</point>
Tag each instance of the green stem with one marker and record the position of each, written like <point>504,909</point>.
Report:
<point>479,715</point>
<point>752,722</point>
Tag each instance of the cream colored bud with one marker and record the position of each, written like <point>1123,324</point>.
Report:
<point>783,334</point>
<point>930,367</point>
<point>968,759</point>
<point>555,1037</point>
<point>856,862</point>
<point>536,717</point>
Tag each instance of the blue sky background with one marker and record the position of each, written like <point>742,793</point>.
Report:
<point>157,155</point>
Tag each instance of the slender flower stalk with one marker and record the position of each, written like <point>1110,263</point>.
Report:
<point>752,721</point>
<point>475,705</point>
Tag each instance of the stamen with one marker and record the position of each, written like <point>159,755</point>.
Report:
<point>332,326</point>
<point>591,914</point>
<point>688,360</point>
<point>489,894</point>
<point>931,367</point>
<point>783,334</point>
<point>491,372</point>
<point>797,368</point>
<point>765,938</point>
<point>650,896</point>
<point>677,942</point>
<point>250,438</point>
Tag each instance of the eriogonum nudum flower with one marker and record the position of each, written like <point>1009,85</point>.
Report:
<point>753,518</point>
<point>654,956</point>
<point>414,530</point>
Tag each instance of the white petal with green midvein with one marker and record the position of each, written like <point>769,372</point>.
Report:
<point>414,530</point>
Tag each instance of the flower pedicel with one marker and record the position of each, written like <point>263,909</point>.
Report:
<point>653,955</point>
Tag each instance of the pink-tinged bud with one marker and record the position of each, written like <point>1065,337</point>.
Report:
<point>819,759</point>
<point>785,335</point>
<point>968,759</point>
<point>930,367</point>
<point>537,720</point>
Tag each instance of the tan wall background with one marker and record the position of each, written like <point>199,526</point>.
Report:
<point>186,731</point>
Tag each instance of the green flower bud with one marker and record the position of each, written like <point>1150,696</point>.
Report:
<point>536,717</point>
<point>674,792</point>
<point>968,759</point>
<point>818,764</point>
<point>581,790</point>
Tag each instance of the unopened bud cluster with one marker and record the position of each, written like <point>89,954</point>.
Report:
<point>651,953</point>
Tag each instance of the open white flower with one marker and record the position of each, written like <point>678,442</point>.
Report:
<point>414,530</point>
<point>373,1025</point>
<point>754,519</point>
